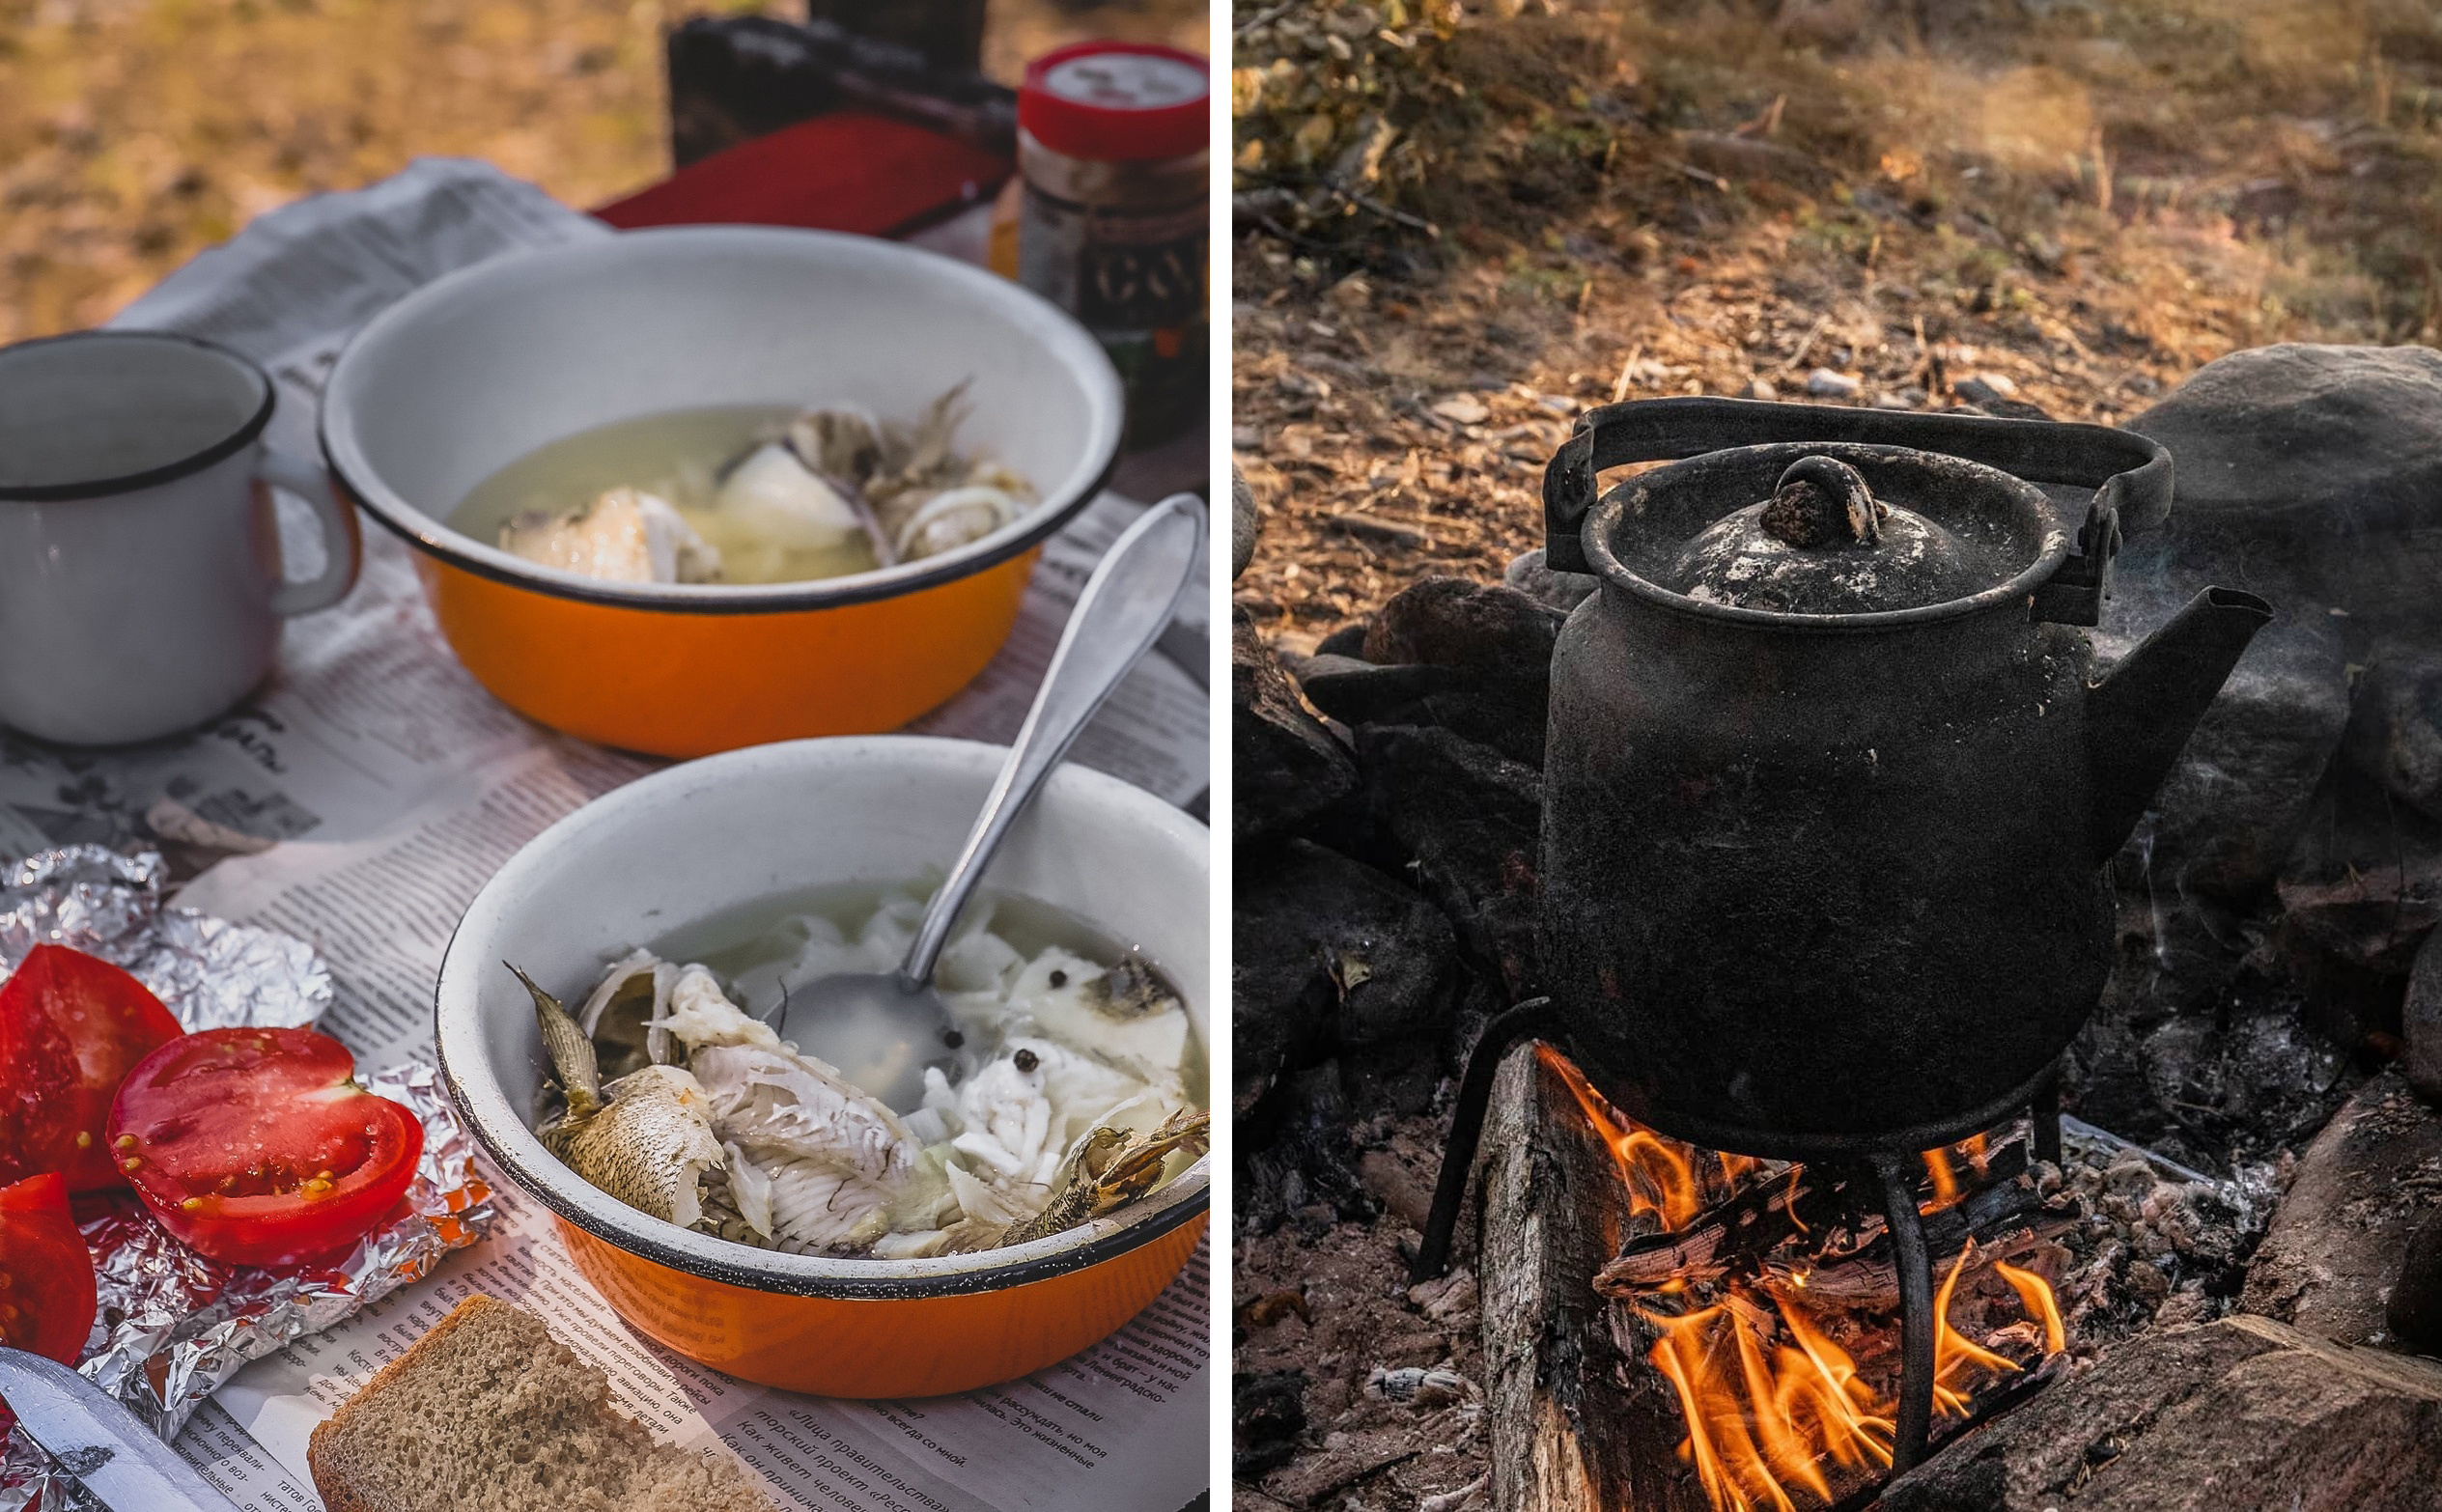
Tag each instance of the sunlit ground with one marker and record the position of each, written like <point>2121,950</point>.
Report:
<point>135,133</point>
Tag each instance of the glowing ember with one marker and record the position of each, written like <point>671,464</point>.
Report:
<point>1974,1150</point>
<point>1771,1403</point>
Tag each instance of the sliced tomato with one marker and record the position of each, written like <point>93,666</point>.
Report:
<point>257,1146</point>
<point>70,1026</point>
<point>46,1278</point>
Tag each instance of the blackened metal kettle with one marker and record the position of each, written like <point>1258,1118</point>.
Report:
<point>1830,785</point>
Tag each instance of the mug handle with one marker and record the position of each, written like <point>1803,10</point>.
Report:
<point>343,548</point>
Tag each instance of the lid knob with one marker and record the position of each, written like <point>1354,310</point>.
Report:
<point>1822,501</point>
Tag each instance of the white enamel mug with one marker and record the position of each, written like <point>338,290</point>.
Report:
<point>141,590</point>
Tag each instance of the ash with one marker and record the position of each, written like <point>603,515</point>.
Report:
<point>2149,1247</point>
<point>1354,1390</point>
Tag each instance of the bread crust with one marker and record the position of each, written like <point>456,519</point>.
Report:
<point>346,1477</point>
<point>324,1455</point>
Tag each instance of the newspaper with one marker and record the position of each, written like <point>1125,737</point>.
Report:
<point>366,793</point>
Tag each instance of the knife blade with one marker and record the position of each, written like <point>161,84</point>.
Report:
<point>98,1442</point>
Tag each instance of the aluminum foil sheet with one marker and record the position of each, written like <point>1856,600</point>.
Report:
<point>209,972</point>
<point>173,1325</point>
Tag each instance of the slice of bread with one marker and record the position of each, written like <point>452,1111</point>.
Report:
<point>489,1413</point>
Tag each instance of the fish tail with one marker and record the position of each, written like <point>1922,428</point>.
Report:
<point>571,1053</point>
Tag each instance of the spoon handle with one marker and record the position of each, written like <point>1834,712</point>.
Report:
<point>1127,602</point>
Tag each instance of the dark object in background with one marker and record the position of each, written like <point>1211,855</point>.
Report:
<point>848,170</point>
<point>735,78</point>
<point>949,33</point>
<point>1268,1414</point>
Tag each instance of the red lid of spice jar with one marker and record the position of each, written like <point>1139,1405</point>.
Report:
<point>1112,102</point>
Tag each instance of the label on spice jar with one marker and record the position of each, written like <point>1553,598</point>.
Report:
<point>1136,279</point>
<point>1112,224</point>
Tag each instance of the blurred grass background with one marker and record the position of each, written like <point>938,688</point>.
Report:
<point>133,133</point>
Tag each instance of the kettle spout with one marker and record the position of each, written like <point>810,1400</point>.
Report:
<point>2140,718</point>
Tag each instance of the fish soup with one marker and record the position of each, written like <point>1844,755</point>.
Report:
<point>1070,1082</point>
<point>746,493</point>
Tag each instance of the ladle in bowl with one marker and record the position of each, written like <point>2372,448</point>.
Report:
<point>882,1028</point>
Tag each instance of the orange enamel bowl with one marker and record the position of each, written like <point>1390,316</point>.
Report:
<point>706,837</point>
<point>479,369</point>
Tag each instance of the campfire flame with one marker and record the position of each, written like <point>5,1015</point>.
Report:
<point>1660,1179</point>
<point>2037,1294</point>
<point>1958,1359</point>
<point>1805,1404</point>
<point>1937,1165</point>
<point>1770,1401</point>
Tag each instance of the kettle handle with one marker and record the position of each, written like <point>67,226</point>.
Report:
<point>2130,473</point>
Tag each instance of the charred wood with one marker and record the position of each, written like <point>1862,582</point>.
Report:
<point>1743,1233</point>
<point>1576,1423</point>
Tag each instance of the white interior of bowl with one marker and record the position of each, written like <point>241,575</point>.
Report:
<point>710,835</point>
<point>481,368</point>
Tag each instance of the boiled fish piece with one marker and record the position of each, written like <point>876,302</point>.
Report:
<point>951,519</point>
<point>924,1200</point>
<point>645,1139</point>
<point>799,1207</point>
<point>922,456</point>
<point>698,1013</point>
<point>650,1146</point>
<point>771,1099</point>
<point>986,1212</point>
<point>843,441</point>
<point>625,535</point>
<point>914,1245</point>
<point>1015,1116</point>
<point>751,1190</point>
<point>1006,1113</point>
<point>1110,1168</point>
<point>774,496</point>
<point>777,1103</point>
<point>815,1206</point>
<point>1018,1116</point>
<point>1070,1200</point>
<point>1126,1014</point>
<point>1086,1089</point>
<point>618,1016</point>
<point>977,961</point>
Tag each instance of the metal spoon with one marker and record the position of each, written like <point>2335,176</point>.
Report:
<point>882,1028</point>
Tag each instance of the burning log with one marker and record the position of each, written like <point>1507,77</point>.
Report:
<point>1739,1231</point>
<point>1577,1422</point>
<point>2001,1219</point>
<point>1740,1347</point>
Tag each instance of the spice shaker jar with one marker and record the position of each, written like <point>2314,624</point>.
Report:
<point>1114,223</point>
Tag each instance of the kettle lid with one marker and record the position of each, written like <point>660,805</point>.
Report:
<point>1823,544</point>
